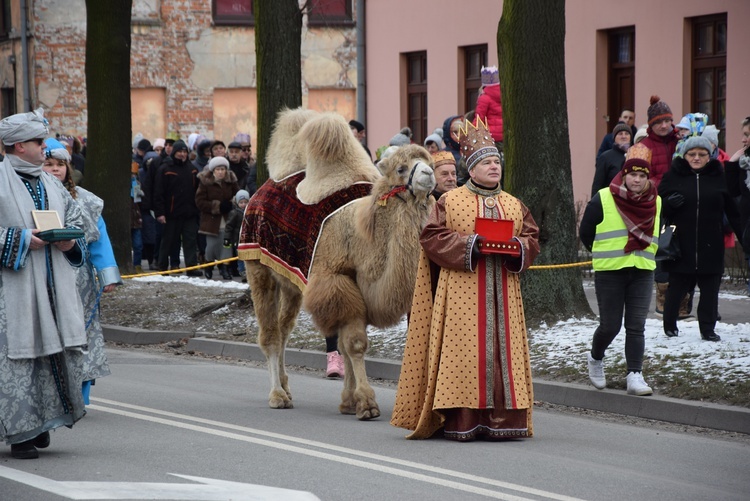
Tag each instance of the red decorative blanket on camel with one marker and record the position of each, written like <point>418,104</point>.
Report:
<point>281,232</point>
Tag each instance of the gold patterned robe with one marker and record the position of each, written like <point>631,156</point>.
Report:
<point>466,352</point>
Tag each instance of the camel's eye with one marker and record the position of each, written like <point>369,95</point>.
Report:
<point>403,169</point>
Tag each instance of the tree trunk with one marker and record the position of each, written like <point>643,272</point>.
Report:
<point>278,41</point>
<point>109,151</point>
<point>531,52</point>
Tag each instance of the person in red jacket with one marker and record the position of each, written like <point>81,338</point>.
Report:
<point>661,138</point>
<point>489,104</point>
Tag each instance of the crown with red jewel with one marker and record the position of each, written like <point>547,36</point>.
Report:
<point>476,142</point>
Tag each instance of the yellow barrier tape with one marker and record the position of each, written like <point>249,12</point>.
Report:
<point>206,265</point>
<point>552,266</point>
<point>180,270</point>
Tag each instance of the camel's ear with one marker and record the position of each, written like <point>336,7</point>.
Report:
<point>365,220</point>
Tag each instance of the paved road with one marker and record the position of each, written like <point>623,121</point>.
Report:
<point>161,416</point>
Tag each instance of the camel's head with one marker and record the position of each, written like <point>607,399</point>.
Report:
<point>409,166</point>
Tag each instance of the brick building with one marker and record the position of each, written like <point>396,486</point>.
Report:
<point>192,63</point>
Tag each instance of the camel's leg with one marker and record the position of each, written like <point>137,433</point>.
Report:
<point>358,394</point>
<point>289,306</point>
<point>265,293</point>
<point>348,403</point>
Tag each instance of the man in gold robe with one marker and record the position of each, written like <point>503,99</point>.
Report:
<point>466,368</point>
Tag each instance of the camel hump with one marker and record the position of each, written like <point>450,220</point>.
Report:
<point>285,150</point>
<point>334,159</point>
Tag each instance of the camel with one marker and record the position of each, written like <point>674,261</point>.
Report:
<point>363,264</point>
<point>277,281</point>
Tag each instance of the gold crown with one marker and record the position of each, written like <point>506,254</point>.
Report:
<point>476,142</point>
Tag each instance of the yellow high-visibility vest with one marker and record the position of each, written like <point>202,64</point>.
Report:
<point>608,252</point>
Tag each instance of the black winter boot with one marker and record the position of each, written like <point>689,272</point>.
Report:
<point>224,272</point>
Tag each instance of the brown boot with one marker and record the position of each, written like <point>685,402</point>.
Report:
<point>684,308</point>
<point>661,294</point>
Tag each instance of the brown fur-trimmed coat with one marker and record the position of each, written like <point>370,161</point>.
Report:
<point>209,197</point>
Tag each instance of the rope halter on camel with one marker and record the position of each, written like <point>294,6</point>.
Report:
<point>395,190</point>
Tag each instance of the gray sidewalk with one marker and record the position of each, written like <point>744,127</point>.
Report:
<point>720,417</point>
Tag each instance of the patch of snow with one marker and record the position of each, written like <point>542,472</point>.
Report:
<point>197,281</point>
<point>569,340</point>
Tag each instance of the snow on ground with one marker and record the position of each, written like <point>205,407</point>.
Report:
<point>567,341</point>
<point>197,281</point>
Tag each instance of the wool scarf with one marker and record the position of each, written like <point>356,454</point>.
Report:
<point>638,211</point>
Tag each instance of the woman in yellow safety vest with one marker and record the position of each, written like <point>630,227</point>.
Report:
<point>620,228</point>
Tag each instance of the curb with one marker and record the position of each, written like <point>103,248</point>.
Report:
<point>671,410</point>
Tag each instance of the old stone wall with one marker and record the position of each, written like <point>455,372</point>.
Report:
<point>181,69</point>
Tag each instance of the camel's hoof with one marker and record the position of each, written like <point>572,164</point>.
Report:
<point>367,414</point>
<point>277,400</point>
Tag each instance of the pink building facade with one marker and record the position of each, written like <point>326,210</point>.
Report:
<point>422,56</point>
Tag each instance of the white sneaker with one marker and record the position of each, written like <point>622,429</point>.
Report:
<point>637,386</point>
<point>596,373</point>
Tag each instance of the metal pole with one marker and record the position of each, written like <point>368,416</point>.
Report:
<point>25,58</point>
<point>361,58</point>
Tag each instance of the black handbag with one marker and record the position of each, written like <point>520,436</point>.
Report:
<point>669,246</point>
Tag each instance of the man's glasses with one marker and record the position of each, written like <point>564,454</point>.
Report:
<point>246,148</point>
<point>37,141</point>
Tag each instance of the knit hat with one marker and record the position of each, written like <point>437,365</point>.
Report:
<point>638,159</point>
<point>476,143</point>
<point>684,123</point>
<point>640,134</point>
<point>434,138</point>
<point>137,139</point>
<point>159,142</point>
<point>399,140</point>
<point>490,75</point>
<point>144,145</point>
<point>55,149</point>
<point>241,195</point>
<point>712,134</point>
<point>443,158</point>
<point>242,138</point>
<point>357,125</point>
<point>696,142</point>
<point>659,110</point>
<point>622,127</point>
<point>218,162</point>
<point>179,145</point>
